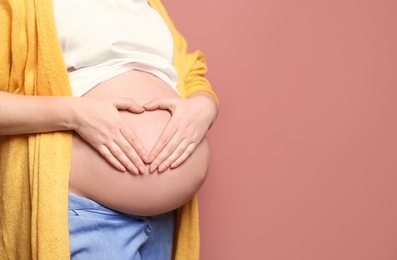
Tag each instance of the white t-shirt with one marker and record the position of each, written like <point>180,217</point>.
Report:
<point>101,39</point>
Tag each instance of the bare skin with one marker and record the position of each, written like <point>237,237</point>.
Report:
<point>98,121</point>
<point>112,121</point>
<point>142,194</point>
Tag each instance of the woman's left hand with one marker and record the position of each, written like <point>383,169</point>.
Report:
<point>190,120</point>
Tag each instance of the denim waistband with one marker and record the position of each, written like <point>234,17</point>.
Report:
<point>77,202</point>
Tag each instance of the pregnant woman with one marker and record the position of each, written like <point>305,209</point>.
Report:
<point>137,150</point>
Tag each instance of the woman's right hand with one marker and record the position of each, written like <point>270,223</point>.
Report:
<point>98,121</point>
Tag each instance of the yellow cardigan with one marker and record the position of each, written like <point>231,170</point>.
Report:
<point>34,169</point>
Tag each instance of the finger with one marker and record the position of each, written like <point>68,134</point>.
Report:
<point>132,155</point>
<point>178,152</point>
<point>166,135</point>
<point>135,142</point>
<point>134,150</point>
<point>169,149</point>
<point>189,150</point>
<point>139,148</point>
<point>118,153</point>
<point>161,103</point>
<point>104,151</point>
<point>127,104</point>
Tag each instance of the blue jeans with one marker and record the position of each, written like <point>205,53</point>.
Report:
<point>97,232</point>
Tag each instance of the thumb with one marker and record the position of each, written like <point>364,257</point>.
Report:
<point>127,104</point>
<point>160,103</point>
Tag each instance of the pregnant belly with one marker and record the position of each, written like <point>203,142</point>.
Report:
<point>148,194</point>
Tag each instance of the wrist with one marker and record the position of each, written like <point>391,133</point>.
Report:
<point>68,106</point>
<point>209,103</point>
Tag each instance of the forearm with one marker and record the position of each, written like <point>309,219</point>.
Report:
<point>96,120</point>
<point>34,114</point>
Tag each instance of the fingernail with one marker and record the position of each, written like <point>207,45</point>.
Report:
<point>153,168</point>
<point>162,168</point>
<point>135,170</point>
<point>173,165</point>
<point>142,169</point>
<point>144,158</point>
<point>152,158</point>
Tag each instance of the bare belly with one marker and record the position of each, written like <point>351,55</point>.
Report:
<point>148,194</point>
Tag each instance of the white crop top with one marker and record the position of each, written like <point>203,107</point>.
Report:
<point>101,39</point>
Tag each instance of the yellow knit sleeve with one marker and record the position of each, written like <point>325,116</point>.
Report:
<point>191,67</point>
<point>195,79</point>
<point>34,169</point>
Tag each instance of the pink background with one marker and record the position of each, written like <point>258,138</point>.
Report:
<point>304,152</point>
